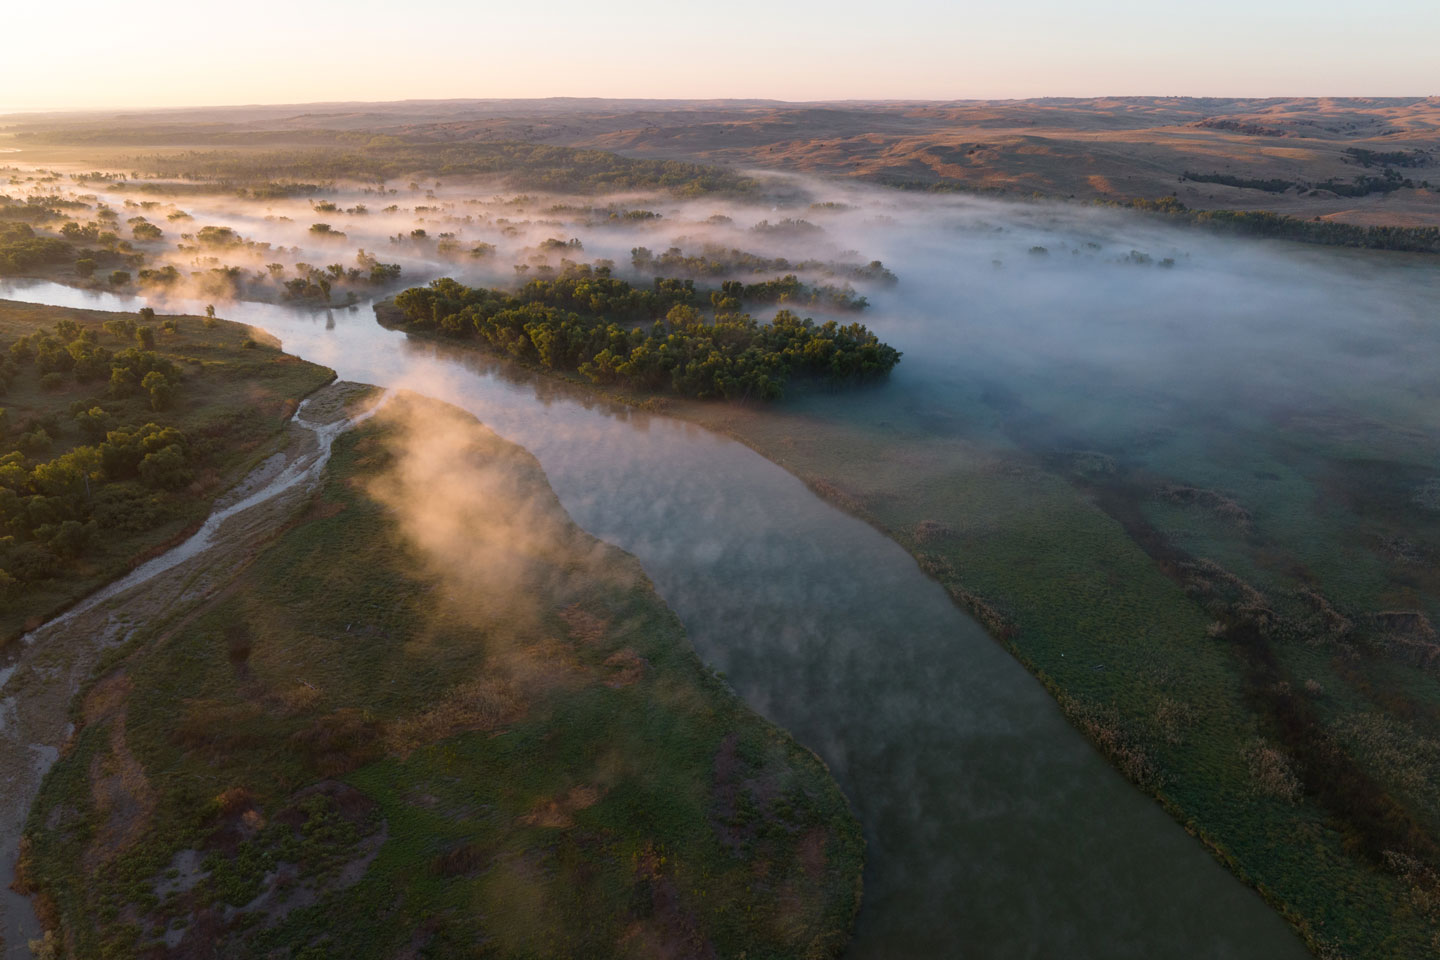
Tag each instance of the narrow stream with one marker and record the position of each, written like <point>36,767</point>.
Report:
<point>303,470</point>
<point>994,828</point>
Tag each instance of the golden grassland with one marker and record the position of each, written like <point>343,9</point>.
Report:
<point>1091,149</point>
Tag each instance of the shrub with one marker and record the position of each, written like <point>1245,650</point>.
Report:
<point>1271,772</point>
<point>165,468</point>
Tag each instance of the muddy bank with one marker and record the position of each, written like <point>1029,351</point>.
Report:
<point>43,670</point>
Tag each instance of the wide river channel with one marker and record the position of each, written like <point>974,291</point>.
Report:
<point>994,829</point>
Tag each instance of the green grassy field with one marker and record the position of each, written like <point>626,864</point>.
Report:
<point>233,396</point>
<point>435,718</point>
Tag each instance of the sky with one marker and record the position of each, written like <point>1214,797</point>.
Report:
<point>87,54</point>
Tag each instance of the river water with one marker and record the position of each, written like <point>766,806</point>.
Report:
<point>993,828</point>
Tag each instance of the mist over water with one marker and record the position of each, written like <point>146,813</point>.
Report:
<point>994,829</point>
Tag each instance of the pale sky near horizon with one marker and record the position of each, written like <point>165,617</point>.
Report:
<point>85,54</point>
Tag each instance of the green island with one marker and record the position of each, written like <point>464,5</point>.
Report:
<point>587,321</point>
<point>117,433</point>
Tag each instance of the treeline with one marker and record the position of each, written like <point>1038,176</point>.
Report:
<point>524,165</point>
<point>589,322</point>
<point>717,261</point>
<point>1264,223</point>
<point>170,134</point>
<point>1392,158</point>
<point>310,282</point>
<point>1361,186</point>
<point>21,249</point>
<point>315,283</point>
<point>788,290</point>
<point>36,209</point>
<point>1240,126</point>
<point>55,510</point>
<point>598,216</point>
<point>1272,185</point>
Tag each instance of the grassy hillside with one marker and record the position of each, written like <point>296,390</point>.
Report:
<point>79,502</point>
<point>435,718</point>
<point>1341,159</point>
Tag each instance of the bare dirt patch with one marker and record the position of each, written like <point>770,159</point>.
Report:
<point>626,666</point>
<point>559,812</point>
<point>583,626</point>
<point>123,797</point>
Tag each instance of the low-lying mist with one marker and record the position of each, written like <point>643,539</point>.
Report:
<point>1092,302</point>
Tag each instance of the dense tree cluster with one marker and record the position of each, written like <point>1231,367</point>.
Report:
<point>787,290</point>
<point>347,155</point>
<point>1271,185</point>
<point>1391,158</point>
<point>316,283</point>
<point>602,216</point>
<point>1247,127</point>
<point>214,236</point>
<point>36,209</point>
<point>142,229</point>
<point>1264,223</point>
<point>54,509</point>
<point>70,352</point>
<point>789,227</point>
<point>587,321</point>
<point>21,249</point>
<point>717,261</point>
<point>272,190</point>
<point>1360,186</point>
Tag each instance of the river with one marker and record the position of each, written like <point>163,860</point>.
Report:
<point>994,829</point>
